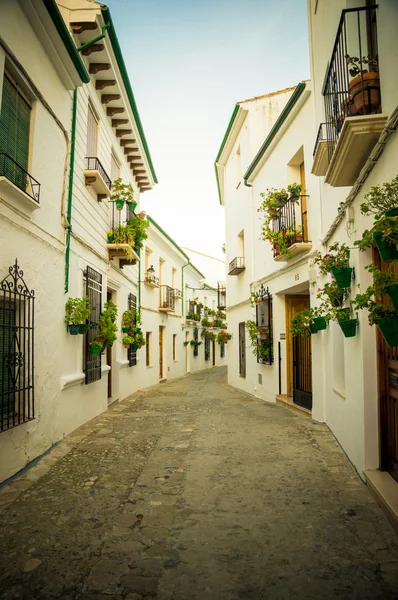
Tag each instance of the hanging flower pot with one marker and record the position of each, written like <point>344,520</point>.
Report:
<point>389,329</point>
<point>349,328</point>
<point>119,204</point>
<point>83,328</point>
<point>313,327</point>
<point>320,323</point>
<point>95,350</point>
<point>393,212</point>
<point>74,329</point>
<point>342,276</point>
<point>264,335</point>
<point>386,250</point>
<point>132,205</point>
<point>126,346</point>
<point>392,291</point>
<point>110,237</point>
<point>343,314</point>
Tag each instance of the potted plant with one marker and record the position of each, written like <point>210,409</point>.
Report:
<point>347,324</point>
<point>336,262</point>
<point>272,202</point>
<point>127,341</point>
<point>130,318</point>
<point>77,311</point>
<point>137,229</point>
<point>107,328</point>
<point>365,85</point>
<point>95,348</point>
<point>332,294</point>
<point>384,282</point>
<point>254,300</point>
<point>320,315</point>
<point>206,322</point>
<point>122,192</point>
<point>281,240</point>
<point>138,340</point>
<point>294,189</point>
<point>385,317</point>
<point>223,337</point>
<point>185,344</point>
<point>301,324</point>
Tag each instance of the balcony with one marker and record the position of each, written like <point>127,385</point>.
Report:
<point>121,241</point>
<point>166,303</point>
<point>237,265</point>
<point>193,311</point>
<point>321,152</point>
<point>96,177</point>
<point>221,295</point>
<point>17,183</point>
<point>150,279</point>
<point>177,293</point>
<point>292,223</point>
<point>352,99</point>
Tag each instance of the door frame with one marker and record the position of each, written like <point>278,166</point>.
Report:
<point>289,306</point>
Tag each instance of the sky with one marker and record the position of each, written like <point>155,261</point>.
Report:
<point>189,62</point>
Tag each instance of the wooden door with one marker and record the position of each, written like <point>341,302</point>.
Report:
<point>387,371</point>
<point>242,350</point>
<point>160,352</point>
<point>293,305</point>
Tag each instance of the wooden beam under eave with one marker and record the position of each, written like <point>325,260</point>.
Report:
<point>144,189</point>
<point>126,142</point>
<point>101,84</point>
<point>83,26</point>
<point>132,160</point>
<point>114,110</point>
<point>138,171</point>
<point>92,49</point>
<point>95,68</point>
<point>106,98</point>
<point>121,132</point>
<point>130,150</point>
<point>117,122</point>
<point>142,179</point>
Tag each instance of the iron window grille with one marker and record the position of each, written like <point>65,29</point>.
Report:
<point>196,339</point>
<point>292,220</point>
<point>167,297</point>
<point>13,171</point>
<point>221,296</point>
<point>222,350</point>
<point>16,350</point>
<point>92,366</point>
<point>265,347</point>
<point>131,355</point>
<point>94,164</point>
<point>207,349</point>
<point>346,95</point>
<point>321,136</point>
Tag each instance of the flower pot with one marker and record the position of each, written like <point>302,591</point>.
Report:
<point>349,328</point>
<point>125,329</point>
<point>134,347</point>
<point>313,328</point>
<point>393,212</point>
<point>132,205</point>
<point>389,329</point>
<point>110,237</point>
<point>365,93</point>
<point>101,340</point>
<point>392,291</point>
<point>386,250</point>
<point>342,276</point>
<point>141,215</point>
<point>74,329</point>
<point>263,335</point>
<point>127,346</point>
<point>320,323</point>
<point>83,328</point>
<point>95,351</point>
<point>119,204</point>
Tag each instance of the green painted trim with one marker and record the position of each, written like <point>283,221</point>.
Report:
<point>95,40</point>
<point>65,36</point>
<point>120,61</point>
<point>224,141</point>
<point>70,189</point>
<point>277,125</point>
<point>166,235</point>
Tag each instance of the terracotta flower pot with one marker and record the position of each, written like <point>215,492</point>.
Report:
<point>366,95</point>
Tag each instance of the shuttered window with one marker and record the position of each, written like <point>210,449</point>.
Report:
<point>92,132</point>
<point>14,132</point>
<point>7,357</point>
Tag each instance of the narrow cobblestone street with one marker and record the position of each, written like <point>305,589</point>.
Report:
<point>192,490</point>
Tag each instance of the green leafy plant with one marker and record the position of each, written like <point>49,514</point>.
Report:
<point>206,322</point>
<point>332,295</point>
<point>107,328</point>
<point>96,347</point>
<point>223,337</point>
<point>337,258</point>
<point>376,310</point>
<point>77,311</point>
<point>195,343</point>
<point>127,341</point>
<point>294,189</point>
<point>281,240</point>
<point>185,344</point>
<point>131,318</point>
<point>381,199</point>
<point>300,323</point>
<point>137,229</point>
<point>254,299</point>
<point>209,335</point>
<point>138,338</point>
<point>355,68</point>
<point>122,191</point>
<point>220,314</point>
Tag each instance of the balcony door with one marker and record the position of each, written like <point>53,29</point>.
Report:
<point>298,356</point>
<point>304,213</point>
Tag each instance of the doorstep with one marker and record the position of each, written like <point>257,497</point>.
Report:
<point>385,489</point>
<point>284,400</point>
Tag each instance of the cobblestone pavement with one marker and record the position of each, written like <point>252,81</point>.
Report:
<point>192,490</point>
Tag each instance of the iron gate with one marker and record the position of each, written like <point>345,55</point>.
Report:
<point>302,372</point>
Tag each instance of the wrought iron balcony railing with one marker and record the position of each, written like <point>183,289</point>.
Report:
<point>221,295</point>
<point>321,136</point>
<point>94,164</point>
<point>237,265</point>
<point>352,86</point>
<point>166,298</point>
<point>292,221</point>
<point>10,169</point>
<point>193,310</point>
<point>151,278</point>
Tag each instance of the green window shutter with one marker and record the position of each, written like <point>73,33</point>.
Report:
<point>14,133</point>
<point>7,358</point>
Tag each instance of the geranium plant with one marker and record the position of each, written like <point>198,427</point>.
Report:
<point>337,257</point>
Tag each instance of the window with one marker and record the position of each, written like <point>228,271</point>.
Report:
<point>196,339</point>
<point>14,133</point>
<point>92,132</point>
<point>16,350</point>
<point>115,167</point>
<point>131,355</point>
<point>222,350</point>
<point>207,349</point>
<point>265,348</point>
<point>148,348</point>
<point>174,347</point>
<point>92,366</point>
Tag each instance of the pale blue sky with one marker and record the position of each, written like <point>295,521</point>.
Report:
<point>189,62</point>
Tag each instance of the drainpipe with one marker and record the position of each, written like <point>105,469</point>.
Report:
<point>183,290</point>
<point>95,40</point>
<point>70,191</point>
